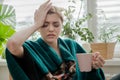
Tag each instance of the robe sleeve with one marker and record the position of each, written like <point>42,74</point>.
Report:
<point>25,68</point>
<point>15,70</point>
<point>28,66</point>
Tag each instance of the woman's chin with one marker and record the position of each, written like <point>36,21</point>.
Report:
<point>51,40</point>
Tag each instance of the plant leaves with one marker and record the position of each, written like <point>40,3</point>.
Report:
<point>6,31</point>
<point>7,15</point>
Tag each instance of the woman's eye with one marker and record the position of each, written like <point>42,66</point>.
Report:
<point>56,25</point>
<point>45,25</point>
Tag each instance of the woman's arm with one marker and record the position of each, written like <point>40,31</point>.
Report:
<point>15,43</point>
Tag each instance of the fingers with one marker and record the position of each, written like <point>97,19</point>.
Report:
<point>95,55</point>
<point>41,13</point>
<point>101,59</point>
<point>94,65</point>
<point>45,5</point>
<point>98,60</point>
<point>48,7</point>
<point>97,64</point>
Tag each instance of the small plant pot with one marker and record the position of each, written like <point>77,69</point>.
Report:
<point>105,49</point>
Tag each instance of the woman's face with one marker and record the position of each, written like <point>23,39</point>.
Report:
<point>51,29</point>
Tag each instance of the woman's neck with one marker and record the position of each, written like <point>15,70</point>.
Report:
<point>55,46</point>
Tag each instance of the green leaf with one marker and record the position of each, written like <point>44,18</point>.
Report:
<point>1,50</point>
<point>7,23</point>
<point>7,15</point>
<point>6,31</point>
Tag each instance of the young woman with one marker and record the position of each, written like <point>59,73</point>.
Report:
<point>49,57</point>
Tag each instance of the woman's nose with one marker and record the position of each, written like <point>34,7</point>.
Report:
<point>51,28</point>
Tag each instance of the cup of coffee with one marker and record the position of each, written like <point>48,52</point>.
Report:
<point>84,61</point>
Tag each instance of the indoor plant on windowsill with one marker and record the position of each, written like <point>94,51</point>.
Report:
<point>75,28</point>
<point>72,27</point>
<point>108,36</point>
<point>7,23</point>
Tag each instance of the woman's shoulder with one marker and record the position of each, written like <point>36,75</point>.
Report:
<point>68,40</point>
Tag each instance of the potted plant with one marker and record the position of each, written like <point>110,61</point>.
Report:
<point>7,23</point>
<point>108,36</point>
<point>72,26</point>
<point>75,28</point>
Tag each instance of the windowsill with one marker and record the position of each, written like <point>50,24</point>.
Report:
<point>3,62</point>
<point>112,62</point>
<point>111,67</point>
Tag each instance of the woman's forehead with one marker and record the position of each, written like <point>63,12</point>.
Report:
<point>52,17</point>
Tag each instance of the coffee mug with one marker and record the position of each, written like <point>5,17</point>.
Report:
<point>84,61</point>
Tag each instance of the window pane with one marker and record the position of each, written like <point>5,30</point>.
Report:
<point>108,12</point>
<point>25,9</point>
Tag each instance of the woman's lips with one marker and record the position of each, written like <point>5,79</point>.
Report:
<point>50,35</point>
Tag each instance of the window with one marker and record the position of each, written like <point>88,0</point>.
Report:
<point>25,9</point>
<point>111,10</point>
<point>101,9</point>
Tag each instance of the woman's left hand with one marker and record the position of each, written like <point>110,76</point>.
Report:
<point>98,60</point>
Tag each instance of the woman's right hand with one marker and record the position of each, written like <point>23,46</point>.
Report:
<point>40,13</point>
<point>15,43</point>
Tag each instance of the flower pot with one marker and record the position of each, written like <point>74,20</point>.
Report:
<point>105,49</point>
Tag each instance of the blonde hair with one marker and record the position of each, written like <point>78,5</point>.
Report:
<point>56,10</point>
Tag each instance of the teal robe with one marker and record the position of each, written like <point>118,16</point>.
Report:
<point>46,59</point>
